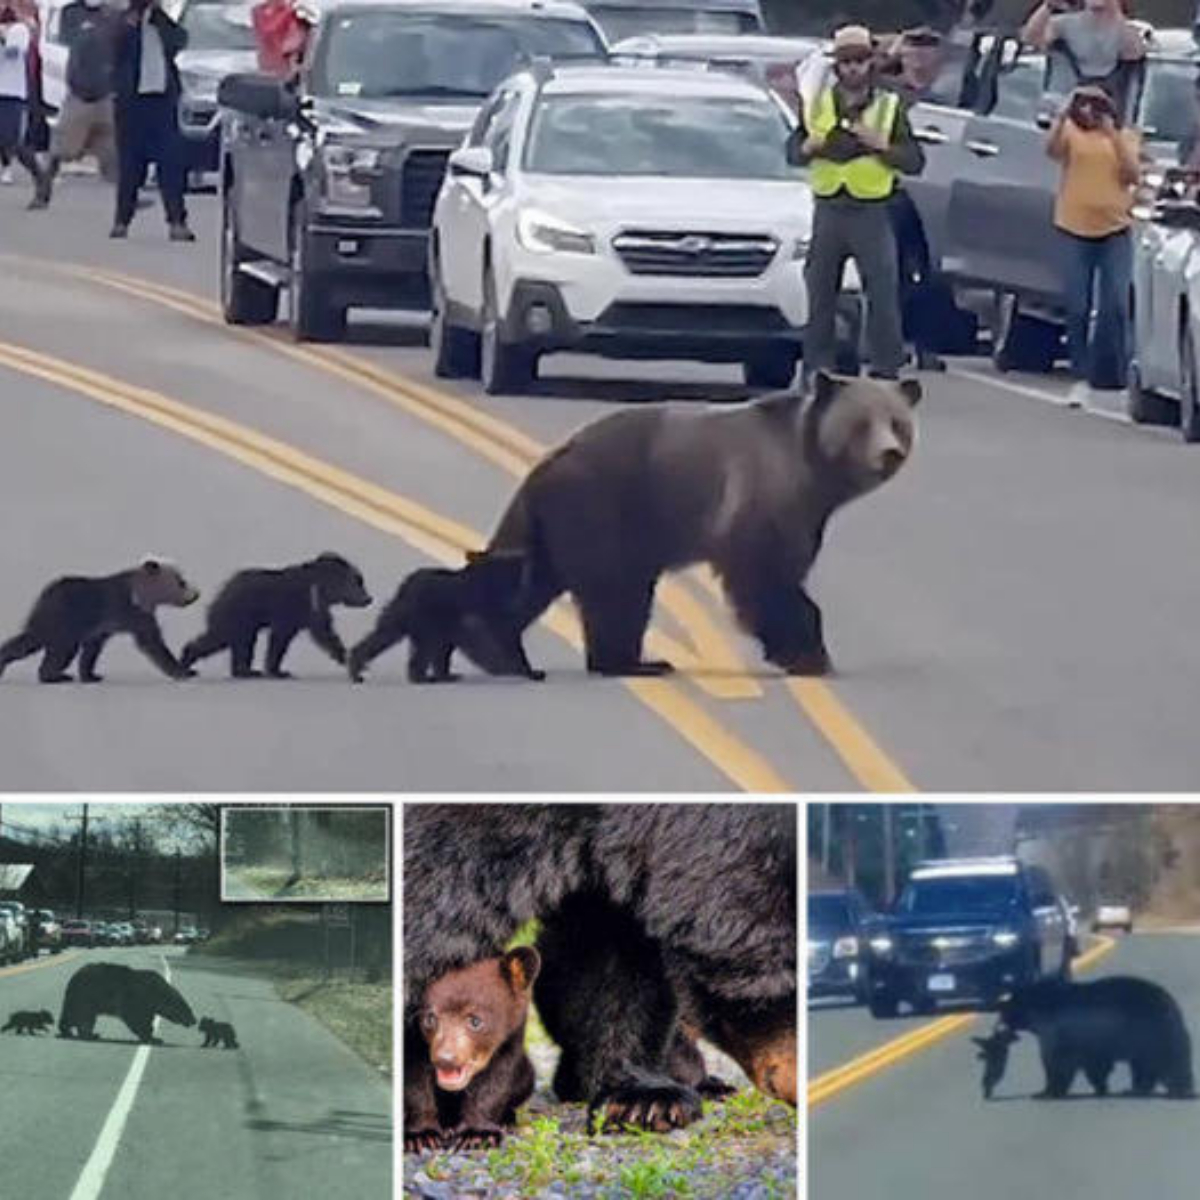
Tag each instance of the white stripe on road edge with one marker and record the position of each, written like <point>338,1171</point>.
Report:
<point>1035,393</point>
<point>95,1170</point>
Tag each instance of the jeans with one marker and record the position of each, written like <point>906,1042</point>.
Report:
<point>1098,273</point>
<point>148,132</point>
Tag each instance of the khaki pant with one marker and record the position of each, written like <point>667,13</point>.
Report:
<point>87,126</point>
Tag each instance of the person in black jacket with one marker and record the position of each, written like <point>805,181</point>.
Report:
<point>146,92</point>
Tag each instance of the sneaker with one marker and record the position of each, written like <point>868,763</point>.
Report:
<point>119,231</point>
<point>181,233</point>
<point>6,176</point>
<point>1078,395</point>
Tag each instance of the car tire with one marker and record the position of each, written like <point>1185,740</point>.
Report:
<point>504,367</point>
<point>773,370</point>
<point>883,1006</point>
<point>455,349</point>
<point>1189,400</point>
<point>311,318</point>
<point>1022,342</point>
<point>244,299</point>
<point>1144,406</point>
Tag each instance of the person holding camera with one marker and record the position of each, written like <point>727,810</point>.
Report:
<point>1093,211</point>
<point>1096,35</point>
<point>146,94</point>
<point>857,141</point>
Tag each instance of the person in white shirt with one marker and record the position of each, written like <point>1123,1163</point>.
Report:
<point>14,93</point>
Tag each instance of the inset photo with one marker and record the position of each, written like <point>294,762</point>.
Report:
<point>333,853</point>
<point>600,1000</point>
<point>1002,999</point>
<point>164,1044</point>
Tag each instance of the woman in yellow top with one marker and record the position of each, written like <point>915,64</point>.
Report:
<point>1093,211</point>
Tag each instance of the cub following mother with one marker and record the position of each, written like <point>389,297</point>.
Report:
<point>747,489</point>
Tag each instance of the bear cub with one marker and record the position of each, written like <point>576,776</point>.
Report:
<point>993,1053</point>
<point>77,614</point>
<point>284,600</point>
<point>218,1033</point>
<point>436,608</point>
<point>477,1073</point>
<point>29,1022</point>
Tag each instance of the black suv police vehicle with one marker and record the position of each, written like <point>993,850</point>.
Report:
<point>967,930</point>
<point>328,184</point>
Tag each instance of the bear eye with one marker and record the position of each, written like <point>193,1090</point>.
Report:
<point>428,1020</point>
<point>475,1023</point>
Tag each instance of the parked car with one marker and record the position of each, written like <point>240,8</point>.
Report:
<point>838,928</point>
<point>770,60</point>
<point>10,938</point>
<point>328,188</point>
<point>623,212</point>
<point>79,933</point>
<point>21,920</point>
<point>221,41</point>
<point>967,930</point>
<point>627,18</point>
<point>185,936</point>
<point>1113,914</point>
<point>49,931</point>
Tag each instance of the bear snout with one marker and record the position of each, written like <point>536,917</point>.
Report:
<point>890,461</point>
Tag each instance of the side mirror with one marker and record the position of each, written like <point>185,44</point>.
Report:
<point>472,161</point>
<point>258,95</point>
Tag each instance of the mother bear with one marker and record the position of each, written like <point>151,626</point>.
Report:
<point>109,989</point>
<point>748,489</point>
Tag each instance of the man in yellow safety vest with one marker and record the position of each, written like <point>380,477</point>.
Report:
<point>856,140</point>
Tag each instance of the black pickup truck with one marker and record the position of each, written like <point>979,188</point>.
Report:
<point>328,182</point>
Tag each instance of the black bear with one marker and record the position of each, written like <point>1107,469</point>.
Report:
<point>78,614</point>
<point>710,890</point>
<point>284,600</point>
<point>218,1033</point>
<point>29,1022</point>
<point>748,490</point>
<point>1091,1027</point>
<point>432,608</point>
<point>993,1053</point>
<point>109,989</point>
<point>473,1022</point>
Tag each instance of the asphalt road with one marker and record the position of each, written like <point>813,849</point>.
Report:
<point>291,1113</point>
<point>1012,613</point>
<point>919,1125</point>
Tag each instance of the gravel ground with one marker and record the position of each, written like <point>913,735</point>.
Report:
<point>743,1149</point>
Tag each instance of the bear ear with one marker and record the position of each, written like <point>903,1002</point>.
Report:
<point>473,556</point>
<point>152,565</point>
<point>521,966</point>
<point>912,391</point>
<point>826,386</point>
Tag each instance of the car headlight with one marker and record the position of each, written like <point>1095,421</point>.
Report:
<point>1006,939</point>
<point>546,234</point>
<point>881,944</point>
<point>845,947</point>
<point>347,172</point>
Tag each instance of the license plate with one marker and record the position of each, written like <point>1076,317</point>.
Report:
<point>941,983</point>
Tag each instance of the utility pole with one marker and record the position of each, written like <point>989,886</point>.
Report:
<point>826,835</point>
<point>82,864</point>
<point>889,851</point>
<point>850,846</point>
<point>178,870</point>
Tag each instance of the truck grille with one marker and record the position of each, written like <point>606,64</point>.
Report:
<point>725,255</point>
<point>953,950</point>
<point>420,180</point>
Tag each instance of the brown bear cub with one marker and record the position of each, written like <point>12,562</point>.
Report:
<point>433,607</point>
<point>76,615</point>
<point>218,1033</point>
<point>29,1022</point>
<point>477,1074</point>
<point>284,600</point>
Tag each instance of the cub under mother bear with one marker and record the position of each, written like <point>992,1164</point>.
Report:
<point>660,922</point>
<point>747,489</point>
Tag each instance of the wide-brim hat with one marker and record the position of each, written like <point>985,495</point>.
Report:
<point>852,39</point>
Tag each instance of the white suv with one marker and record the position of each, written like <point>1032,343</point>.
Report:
<point>635,212</point>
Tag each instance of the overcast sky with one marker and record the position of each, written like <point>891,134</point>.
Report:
<point>65,814</point>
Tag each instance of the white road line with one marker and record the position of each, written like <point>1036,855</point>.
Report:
<point>1035,393</point>
<point>95,1170</point>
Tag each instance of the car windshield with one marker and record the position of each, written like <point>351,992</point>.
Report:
<point>1169,109</point>
<point>700,138</point>
<point>619,21</point>
<point>828,914</point>
<point>393,53</point>
<point>964,895</point>
<point>218,27</point>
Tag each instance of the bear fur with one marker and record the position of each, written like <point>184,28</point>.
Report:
<point>710,891</point>
<point>1091,1027</point>
<point>473,1022</point>
<point>31,1023</point>
<point>76,615</point>
<point>284,600</point>
<point>218,1033</point>
<point>431,607</point>
<point>748,489</point>
<point>109,989</point>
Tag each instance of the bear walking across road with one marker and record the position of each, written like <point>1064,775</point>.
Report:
<point>1090,1027</point>
<point>710,890</point>
<point>109,989</point>
<point>747,489</point>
